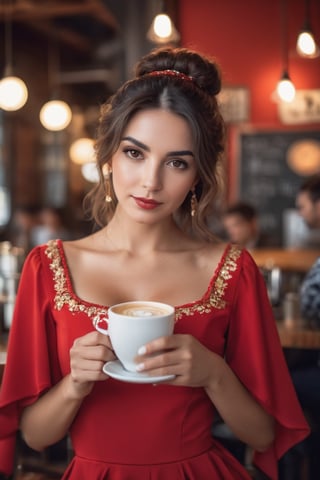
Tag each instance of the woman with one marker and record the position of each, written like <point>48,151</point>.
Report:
<point>158,151</point>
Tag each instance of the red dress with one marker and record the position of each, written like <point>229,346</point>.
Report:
<point>126,431</point>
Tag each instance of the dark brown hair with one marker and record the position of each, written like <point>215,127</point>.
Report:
<point>312,186</point>
<point>194,100</point>
<point>245,210</point>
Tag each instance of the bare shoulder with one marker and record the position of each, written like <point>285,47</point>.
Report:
<point>89,243</point>
<point>211,253</point>
<point>83,250</point>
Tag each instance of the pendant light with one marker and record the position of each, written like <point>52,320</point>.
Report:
<point>55,115</point>
<point>285,88</point>
<point>90,172</point>
<point>13,90</point>
<point>162,30</point>
<point>81,150</point>
<point>306,45</point>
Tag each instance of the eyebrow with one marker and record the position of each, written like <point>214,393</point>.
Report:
<point>145,147</point>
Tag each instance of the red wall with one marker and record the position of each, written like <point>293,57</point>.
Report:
<point>245,36</point>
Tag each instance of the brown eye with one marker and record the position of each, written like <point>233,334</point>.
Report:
<point>180,164</point>
<point>132,153</point>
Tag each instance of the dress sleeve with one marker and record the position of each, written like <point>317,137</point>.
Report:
<point>255,355</point>
<point>32,366</point>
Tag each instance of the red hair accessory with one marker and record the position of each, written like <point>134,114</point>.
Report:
<point>171,73</point>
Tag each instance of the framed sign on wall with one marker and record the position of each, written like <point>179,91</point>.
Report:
<point>234,104</point>
<point>305,108</point>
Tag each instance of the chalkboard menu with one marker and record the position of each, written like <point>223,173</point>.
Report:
<point>265,178</point>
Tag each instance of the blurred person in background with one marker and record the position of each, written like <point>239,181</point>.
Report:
<point>241,226</point>
<point>308,205</point>
<point>305,370</point>
<point>25,220</point>
<point>50,226</point>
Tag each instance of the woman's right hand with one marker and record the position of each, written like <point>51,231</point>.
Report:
<point>48,419</point>
<point>88,354</point>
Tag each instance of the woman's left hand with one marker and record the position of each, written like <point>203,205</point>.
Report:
<point>181,355</point>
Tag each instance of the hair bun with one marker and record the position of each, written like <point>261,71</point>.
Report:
<point>203,70</point>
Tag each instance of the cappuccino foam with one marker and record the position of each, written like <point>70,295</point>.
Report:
<point>140,310</point>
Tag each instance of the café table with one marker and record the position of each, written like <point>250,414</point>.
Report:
<point>289,259</point>
<point>297,334</point>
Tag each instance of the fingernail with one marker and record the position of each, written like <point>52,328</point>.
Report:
<point>140,367</point>
<point>142,350</point>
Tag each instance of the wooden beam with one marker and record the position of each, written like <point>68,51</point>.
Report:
<point>103,14</point>
<point>26,11</point>
<point>64,35</point>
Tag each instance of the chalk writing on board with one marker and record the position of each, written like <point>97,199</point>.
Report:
<point>266,180</point>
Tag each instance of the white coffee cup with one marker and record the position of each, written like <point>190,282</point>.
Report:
<point>133,324</point>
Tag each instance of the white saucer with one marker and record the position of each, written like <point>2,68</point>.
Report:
<point>115,370</point>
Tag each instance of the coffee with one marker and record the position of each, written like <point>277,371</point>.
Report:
<point>133,324</point>
<point>140,310</point>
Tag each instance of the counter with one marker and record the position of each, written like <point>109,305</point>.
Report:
<point>294,260</point>
<point>297,335</point>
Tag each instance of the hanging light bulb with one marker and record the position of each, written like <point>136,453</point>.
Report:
<point>82,151</point>
<point>162,29</point>
<point>285,89</point>
<point>306,45</point>
<point>13,90</point>
<point>90,172</point>
<point>55,115</point>
<point>162,26</point>
<point>13,93</point>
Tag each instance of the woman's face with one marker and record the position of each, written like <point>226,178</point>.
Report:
<point>309,210</point>
<point>154,167</point>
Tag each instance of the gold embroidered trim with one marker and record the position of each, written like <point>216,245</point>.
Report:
<point>216,299</point>
<point>63,297</point>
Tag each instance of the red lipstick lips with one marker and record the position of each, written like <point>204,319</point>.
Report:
<point>146,203</point>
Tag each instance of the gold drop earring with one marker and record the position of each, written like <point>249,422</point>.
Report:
<point>106,173</point>
<point>194,203</point>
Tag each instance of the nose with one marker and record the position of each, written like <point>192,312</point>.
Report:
<point>152,176</point>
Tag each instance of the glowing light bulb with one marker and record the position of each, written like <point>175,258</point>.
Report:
<point>55,115</point>
<point>286,90</point>
<point>90,172</point>
<point>162,26</point>
<point>82,151</point>
<point>306,46</point>
<point>13,93</point>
